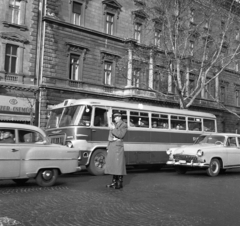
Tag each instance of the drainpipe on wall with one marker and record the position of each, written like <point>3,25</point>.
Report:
<point>39,58</point>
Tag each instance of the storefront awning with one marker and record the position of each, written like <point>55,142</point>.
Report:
<point>11,117</point>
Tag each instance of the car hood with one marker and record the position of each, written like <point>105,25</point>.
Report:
<point>192,149</point>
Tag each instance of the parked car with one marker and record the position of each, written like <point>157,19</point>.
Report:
<point>25,152</point>
<point>214,152</point>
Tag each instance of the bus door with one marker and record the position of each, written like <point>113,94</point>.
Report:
<point>100,129</point>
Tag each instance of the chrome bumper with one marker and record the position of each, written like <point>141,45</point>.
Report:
<point>189,164</point>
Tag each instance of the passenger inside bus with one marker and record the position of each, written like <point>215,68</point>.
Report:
<point>100,117</point>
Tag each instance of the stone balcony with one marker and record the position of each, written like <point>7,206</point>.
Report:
<point>120,92</point>
<point>17,79</point>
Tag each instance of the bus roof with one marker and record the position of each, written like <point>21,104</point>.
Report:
<point>131,106</point>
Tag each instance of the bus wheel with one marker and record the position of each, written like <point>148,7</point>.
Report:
<point>97,162</point>
<point>181,170</point>
<point>214,168</point>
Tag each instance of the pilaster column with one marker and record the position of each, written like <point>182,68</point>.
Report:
<point>150,84</point>
<point>217,88</point>
<point>2,57</point>
<point>22,12</point>
<point>187,82</point>
<point>20,60</point>
<point>129,68</point>
<point>203,90</point>
<point>169,82</point>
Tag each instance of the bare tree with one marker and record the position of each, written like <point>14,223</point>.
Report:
<point>192,42</point>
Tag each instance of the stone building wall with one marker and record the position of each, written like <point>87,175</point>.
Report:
<point>61,33</point>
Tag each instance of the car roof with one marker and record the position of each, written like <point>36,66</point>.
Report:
<point>20,126</point>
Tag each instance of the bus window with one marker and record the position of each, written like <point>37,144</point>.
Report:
<point>209,125</point>
<point>139,119</point>
<point>195,124</point>
<point>54,118</point>
<point>123,113</point>
<point>100,117</point>
<point>159,121</point>
<point>85,119</point>
<point>69,116</point>
<point>178,122</point>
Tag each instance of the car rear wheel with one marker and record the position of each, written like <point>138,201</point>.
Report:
<point>214,168</point>
<point>20,181</point>
<point>181,170</point>
<point>97,162</point>
<point>47,177</point>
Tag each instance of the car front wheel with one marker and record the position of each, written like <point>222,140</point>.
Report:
<point>214,168</point>
<point>47,177</point>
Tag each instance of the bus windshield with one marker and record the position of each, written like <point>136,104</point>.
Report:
<point>63,117</point>
<point>78,115</point>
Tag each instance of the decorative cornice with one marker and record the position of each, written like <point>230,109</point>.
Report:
<point>19,26</point>
<point>13,37</point>
<point>112,6</point>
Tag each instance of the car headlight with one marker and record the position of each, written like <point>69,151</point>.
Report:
<point>169,151</point>
<point>200,153</point>
<point>69,144</point>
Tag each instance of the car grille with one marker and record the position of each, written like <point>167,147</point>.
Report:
<point>58,139</point>
<point>187,158</point>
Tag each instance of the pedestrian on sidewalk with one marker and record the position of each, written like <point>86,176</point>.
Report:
<point>115,160</point>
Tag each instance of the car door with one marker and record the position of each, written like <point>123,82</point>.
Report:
<point>233,152</point>
<point>10,161</point>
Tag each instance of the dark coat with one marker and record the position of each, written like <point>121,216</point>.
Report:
<point>115,160</point>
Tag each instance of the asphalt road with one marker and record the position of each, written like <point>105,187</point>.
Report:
<point>148,198</point>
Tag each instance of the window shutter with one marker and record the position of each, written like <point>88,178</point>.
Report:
<point>77,8</point>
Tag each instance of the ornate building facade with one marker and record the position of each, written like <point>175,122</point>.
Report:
<point>75,49</point>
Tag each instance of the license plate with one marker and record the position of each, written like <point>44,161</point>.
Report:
<point>182,161</point>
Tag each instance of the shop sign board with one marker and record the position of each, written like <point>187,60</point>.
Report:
<point>17,104</point>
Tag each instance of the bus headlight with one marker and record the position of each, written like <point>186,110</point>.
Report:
<point>200,153</point>
<point>169,151</point>
<point>69,144</point>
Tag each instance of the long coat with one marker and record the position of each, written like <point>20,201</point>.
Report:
<point>115,160</point>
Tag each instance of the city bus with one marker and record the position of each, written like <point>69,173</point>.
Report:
<point>151,130</point>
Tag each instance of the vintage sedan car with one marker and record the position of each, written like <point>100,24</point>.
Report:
<point>213,152</point>
<point>25,152</point>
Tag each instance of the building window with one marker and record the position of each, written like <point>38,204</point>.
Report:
<point>191,85</point>
<point>138,32</point>
<point>157,38</point>
<point>74,67</point>
<point>15,11</point>
<point>11,59</point>
<point>237,97</point>
<point>237,35</point>
<point>111,12</point>
<point>192,15</point>
<point>136,78</point>
<point>236,65</point>
<point>223,24</point>
<point>222,94</point>
<point>191,48</point>
<point>76,13</point>
<point>108,73</point>
<point>109,23</point>
<point>156,81</point>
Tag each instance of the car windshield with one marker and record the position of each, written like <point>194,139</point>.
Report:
<point>210,139</point>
